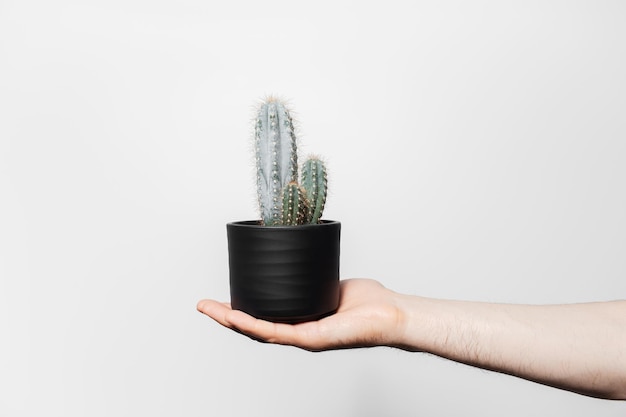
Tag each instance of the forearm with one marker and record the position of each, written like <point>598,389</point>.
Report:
<point>578,347</point>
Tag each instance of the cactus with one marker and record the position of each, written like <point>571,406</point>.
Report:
<point>282,201</point>
<point>314,182</point>
<point>276,157</point>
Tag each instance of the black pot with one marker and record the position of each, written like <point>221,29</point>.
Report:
<point>286,274</point>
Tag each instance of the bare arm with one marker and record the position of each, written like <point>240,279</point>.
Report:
<point>577,347</point>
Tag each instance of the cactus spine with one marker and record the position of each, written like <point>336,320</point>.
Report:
<point>282,201</point>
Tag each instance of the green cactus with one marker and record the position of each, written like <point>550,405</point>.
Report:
<point>282,201</point>
<point>314,181</point>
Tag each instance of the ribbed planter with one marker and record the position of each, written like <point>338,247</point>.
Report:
<point>284,274</point>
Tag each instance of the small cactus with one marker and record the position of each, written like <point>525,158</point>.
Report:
<point>282,201</point>
<point>314,182</point>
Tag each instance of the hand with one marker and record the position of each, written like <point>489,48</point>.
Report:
<point>368,315</point>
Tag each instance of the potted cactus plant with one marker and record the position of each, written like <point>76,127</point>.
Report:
<point>284,267</point>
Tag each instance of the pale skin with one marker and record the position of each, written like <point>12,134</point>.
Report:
<point>576,347</point>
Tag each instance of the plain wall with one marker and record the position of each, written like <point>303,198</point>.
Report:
<point>476,151</point>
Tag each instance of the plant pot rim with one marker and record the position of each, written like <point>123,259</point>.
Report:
<point>256,224</point>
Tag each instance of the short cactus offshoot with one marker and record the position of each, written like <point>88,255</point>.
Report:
<point>315,182</point>
<point>282,201</point>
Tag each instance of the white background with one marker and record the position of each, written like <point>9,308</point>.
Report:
<point>476,151</point>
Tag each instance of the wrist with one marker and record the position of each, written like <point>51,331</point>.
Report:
<point>415,320</point>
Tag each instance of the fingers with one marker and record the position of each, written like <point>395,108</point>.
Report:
<point>304,335</point>
<point>216,310</point>
<point>280,333</point>
<point>238,320</point>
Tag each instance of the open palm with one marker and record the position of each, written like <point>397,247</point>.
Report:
<point>367,316</point>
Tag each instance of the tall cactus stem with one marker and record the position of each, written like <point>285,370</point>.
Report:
<point>276,157</point>
<point>314,181</point>
<point>295,205</point>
